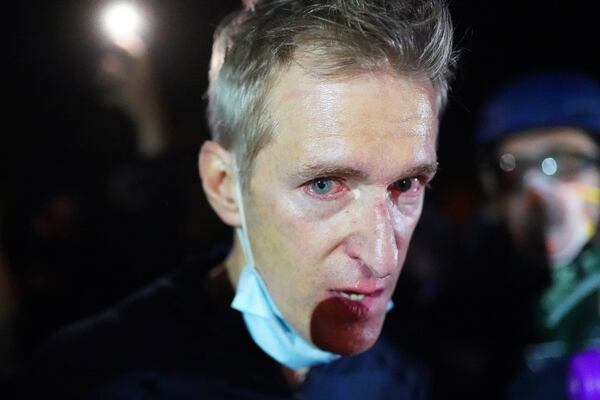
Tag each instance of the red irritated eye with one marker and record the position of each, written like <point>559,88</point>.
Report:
<point>407,185</point>
<point>324,187</point>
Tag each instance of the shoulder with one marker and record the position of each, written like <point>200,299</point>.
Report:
<point>547,382</point>
<point>154,327</point>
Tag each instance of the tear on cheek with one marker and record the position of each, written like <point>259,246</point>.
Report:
<point>343,327</point>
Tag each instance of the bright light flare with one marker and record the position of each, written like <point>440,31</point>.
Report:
<point>122,19</point>
<point>549,166</point>
<point>123,23</point>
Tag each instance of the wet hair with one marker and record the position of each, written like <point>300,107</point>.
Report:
<point>330,39</point>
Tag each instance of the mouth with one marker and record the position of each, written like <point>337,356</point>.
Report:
<point>352,296</point>
<point>359,296</point>
<point>352,305</point>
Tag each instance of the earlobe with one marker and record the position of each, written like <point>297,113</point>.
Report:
<point>218,181</point>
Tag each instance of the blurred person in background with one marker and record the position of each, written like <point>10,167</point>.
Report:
<point>533,263</point>
<point>324,118</point>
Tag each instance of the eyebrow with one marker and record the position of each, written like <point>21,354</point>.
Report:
<point>312,171</point>
<point>429,169</point>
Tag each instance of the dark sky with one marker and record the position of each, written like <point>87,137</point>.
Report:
<point>53,111</point>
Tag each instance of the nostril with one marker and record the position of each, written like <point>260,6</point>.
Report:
<point>379,275</point>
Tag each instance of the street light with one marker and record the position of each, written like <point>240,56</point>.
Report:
<point>123,23</point>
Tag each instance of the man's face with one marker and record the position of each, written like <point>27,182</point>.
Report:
<point>335,196</point>
<point>554,183</point>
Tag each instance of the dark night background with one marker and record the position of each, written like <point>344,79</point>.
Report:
<point>50,50</point>
<point>58,134</point>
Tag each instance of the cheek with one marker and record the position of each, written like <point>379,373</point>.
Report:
<point>592,211</point>
<point>278,226</point>
<point>404,221</point>
<point>589,207</point>
<point>304,231</point>
<point>289,245</point>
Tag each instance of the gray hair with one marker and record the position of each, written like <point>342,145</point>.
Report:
<point>337,38</point>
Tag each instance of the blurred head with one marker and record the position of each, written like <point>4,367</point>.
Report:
<point>539,138</point>
<point>327,112</point>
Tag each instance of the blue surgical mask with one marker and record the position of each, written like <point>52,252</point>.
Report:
<point>268,328</point>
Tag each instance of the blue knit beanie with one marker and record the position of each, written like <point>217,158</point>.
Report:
<point>541,101</point>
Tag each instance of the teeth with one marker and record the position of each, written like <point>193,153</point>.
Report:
<point>353,296</point>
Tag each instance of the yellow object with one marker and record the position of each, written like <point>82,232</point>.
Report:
<point>590,194</point>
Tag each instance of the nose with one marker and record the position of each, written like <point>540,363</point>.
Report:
<point>374,243</point>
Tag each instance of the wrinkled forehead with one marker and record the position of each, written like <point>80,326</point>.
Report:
<point>303,68</point>
<point>538,142</point>
<point>384,124</point>
<point>336,102</point>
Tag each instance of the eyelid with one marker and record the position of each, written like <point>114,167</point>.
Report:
<point>423,179</point>
<point>325,178</point>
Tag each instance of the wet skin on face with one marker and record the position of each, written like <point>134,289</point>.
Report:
<point>335,196</point>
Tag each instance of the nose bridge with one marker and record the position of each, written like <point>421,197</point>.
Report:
<point>539,189</point>
<point>378,247</point>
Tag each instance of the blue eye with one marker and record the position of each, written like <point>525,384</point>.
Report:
<point>321,186</point>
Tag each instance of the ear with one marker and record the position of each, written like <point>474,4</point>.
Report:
<point>218,181</point>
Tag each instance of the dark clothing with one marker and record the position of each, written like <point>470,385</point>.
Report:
<point>549,382</point>
<point>484,316</point>
<point>569,324</point>
<point>177,340</point>
<point>508,323</point>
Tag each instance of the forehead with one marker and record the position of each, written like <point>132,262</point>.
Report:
<point>541,141</point>
<point>369,119</point>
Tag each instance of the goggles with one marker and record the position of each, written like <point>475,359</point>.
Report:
<point>510,170</point>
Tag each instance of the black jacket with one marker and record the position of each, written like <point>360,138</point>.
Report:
<point>174,340</point>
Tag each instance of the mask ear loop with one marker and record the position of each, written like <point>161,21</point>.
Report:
<point>242,232</point>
